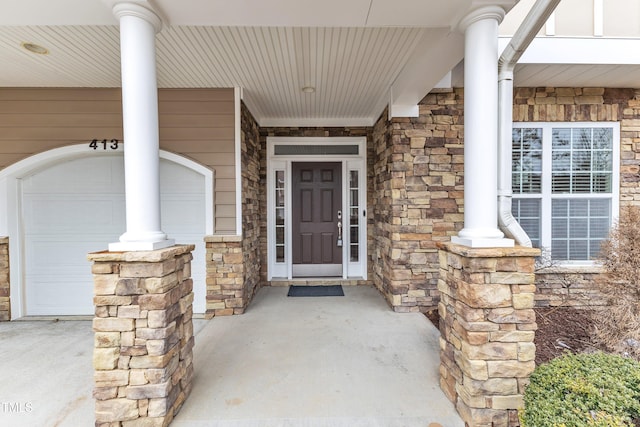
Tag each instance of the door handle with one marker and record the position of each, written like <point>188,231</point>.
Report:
<point>339,242</point>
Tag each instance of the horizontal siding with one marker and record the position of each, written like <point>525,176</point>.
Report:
<point>196,123</point>
<point>226,197</point>
<point>185,146</point>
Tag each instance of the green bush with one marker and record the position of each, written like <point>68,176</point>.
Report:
<point>578,390</point>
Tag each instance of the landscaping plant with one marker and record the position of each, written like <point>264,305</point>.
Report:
<point>576,390</point>
<point>618,326</point>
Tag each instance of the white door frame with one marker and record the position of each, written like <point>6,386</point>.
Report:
<point>350,162</point>
<point>11,207</point>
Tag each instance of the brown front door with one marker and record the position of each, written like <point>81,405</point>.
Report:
<point>316,208</point>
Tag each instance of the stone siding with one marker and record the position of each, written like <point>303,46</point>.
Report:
<point>253,189</point>
<point>5,287</point>
<point>418,196</point>
<point>144,341</point>
<point>225,276</point>
<point>487,328</point>
<point>568,287</point>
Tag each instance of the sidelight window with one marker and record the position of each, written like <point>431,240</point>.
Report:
<point>280,197</point>
<point>354,209</point>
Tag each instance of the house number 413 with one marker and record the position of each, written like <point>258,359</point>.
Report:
<point>104,144</point>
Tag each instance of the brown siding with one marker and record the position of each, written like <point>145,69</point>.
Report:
<point>196,123</point>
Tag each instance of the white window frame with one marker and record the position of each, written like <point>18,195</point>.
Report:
<point>283,270</point>
<point>546,195</point>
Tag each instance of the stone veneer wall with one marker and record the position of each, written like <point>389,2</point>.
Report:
<point>487,328</point>
<point>234,263</point>
<point>314,132</point>
<point>143,327</point>
<point>5,288</point>
<point>568,287</point>
<point>253,188</point>
<point>418,196</point>
<point>225,276</point>
<point>571,287</point>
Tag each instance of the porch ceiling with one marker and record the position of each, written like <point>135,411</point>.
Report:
<point>359,55</point>
<point>354,53</point>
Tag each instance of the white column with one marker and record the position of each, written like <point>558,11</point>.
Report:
<point>138,27</point>
<point>481,130</point>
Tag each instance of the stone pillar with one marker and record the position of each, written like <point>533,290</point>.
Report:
<point>5,287</point>
<point>143,327</point>
<point>487,327</point>
<point>138,27</point>
<point>225,276</point>
<point>481,130</point>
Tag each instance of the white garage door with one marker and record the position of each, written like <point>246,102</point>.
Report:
<point>77,207</point>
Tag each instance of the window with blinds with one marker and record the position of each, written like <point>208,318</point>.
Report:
<point>565,185</point>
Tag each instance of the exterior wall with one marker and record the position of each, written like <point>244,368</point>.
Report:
<point>196,123</point>
<point>417,192</point>
<point>568,287</point>
<point>576,18</point>
<point>253,190</point>
<point>5,288</point>
<point>314,132</point>
<point>234,263</point>
<point>225,276</point>
<point>576,287</point>
<point>418,197</point>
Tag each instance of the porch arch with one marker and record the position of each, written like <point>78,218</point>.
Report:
<point>11,194</point>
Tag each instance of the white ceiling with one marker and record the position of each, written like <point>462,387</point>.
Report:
<point>356,53</point>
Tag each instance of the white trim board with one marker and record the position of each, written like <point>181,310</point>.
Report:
<point>284,270</point>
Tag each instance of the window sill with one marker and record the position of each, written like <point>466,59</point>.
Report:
<point>587,267</point>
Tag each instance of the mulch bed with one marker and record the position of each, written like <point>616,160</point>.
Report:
<point>560,329</point>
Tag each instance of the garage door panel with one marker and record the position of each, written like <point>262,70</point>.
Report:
<point>51,259</point>
<point>181,216</point>
<point>86,175</point>
<point>175,178</point>
<point>44,292</point>
<point>61,213</point>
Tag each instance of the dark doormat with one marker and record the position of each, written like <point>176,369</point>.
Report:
<point>316,291</point>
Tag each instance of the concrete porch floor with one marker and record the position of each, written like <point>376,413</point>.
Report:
<point>309,362</point>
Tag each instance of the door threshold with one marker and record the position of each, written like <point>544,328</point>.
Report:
<point>318,281</point>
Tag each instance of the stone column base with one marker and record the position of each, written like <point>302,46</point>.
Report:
<point>225,276</point>
<point>487,326</point>
<point>143,327</point>
<point>5,287</point>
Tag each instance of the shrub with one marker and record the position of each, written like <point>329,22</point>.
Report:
<point>618,326</point>
<point>576,390</point>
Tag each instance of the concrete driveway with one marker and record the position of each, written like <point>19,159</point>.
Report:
<point>46,373</point>
<point>312,362</point>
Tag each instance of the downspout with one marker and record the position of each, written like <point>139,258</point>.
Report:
<point>527,31</point>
